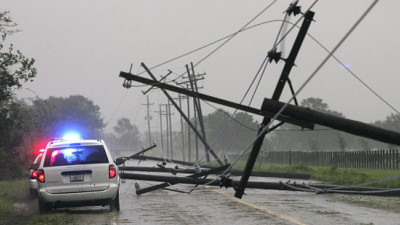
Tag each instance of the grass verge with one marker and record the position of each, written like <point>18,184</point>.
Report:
<point>16,206</point>
<point>333,175</point>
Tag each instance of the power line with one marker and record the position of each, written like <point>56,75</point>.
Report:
<point>229,37</point>
<point>266,128</point>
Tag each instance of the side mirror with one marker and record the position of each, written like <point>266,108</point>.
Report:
<point>119,161</point>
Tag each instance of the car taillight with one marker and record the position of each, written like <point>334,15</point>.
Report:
<point>34,174</point>
<point>112,172</point>
<point>40,176</point>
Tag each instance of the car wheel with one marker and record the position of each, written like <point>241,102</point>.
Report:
<point>114,204</point>
<point>43,207</point>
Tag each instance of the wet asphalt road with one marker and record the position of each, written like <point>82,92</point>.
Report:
<point>213,205</point>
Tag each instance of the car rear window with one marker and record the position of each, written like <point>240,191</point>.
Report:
<point>75,155</point>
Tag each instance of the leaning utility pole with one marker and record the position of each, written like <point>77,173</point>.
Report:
<point>196,89</point>
<point>183,115</point>
<point>295,115</point>
<point>198,114</point>
<point>163,86</point>
<point>161,130</point>
<point>289,63</point>
<point>148,118</point>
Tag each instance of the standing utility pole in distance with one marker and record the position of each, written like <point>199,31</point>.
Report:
<point>180,97</point>
<point>148,118</point>
<point>170,129</point>
<point>189,136</point>
<point>167,126</point>
<point>161,130</point>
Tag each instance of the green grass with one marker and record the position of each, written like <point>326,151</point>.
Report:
<point>342,176</point>
<point>358,176</point>
<point>333,175</point>
<point>14,190</point>
<point>10,192</point>
<point>17,191</point>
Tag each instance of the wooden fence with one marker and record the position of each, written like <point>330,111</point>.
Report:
<point>374,159</point>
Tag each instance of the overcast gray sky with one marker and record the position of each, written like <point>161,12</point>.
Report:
<point>81,46</point>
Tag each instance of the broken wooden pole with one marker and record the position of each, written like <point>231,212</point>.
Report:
<point>316,188</point>
<point>131,77</point>
<point>334,122</point>
<point>143,151</point>
<point>303,176</point>
<point>123,159</point>
<point>155,169</point>
<point>143,157</point>
<point>166,184</point>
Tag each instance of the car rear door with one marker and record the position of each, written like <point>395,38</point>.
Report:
<point>76,169</point>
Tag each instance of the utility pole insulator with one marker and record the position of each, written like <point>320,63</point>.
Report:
<point>273,55</point>
<point>293,8</point>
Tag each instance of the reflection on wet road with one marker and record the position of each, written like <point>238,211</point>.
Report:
<point>218,206</point>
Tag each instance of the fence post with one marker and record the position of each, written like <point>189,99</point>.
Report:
<point>393,159</point>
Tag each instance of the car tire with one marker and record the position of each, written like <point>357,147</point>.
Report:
<point>114,204</point>
<point>43,207</point>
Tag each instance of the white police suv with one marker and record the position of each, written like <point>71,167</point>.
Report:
<point>77,173</point>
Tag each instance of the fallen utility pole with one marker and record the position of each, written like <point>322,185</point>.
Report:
<point>316,188</point>
<point>138,154</point>
<point>143,157</point>
<point>169,183</point>
<point>304,176</point>
<point>131,77</point>
<point>334,122</point>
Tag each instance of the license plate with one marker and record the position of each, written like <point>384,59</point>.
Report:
<point>76,177</point>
